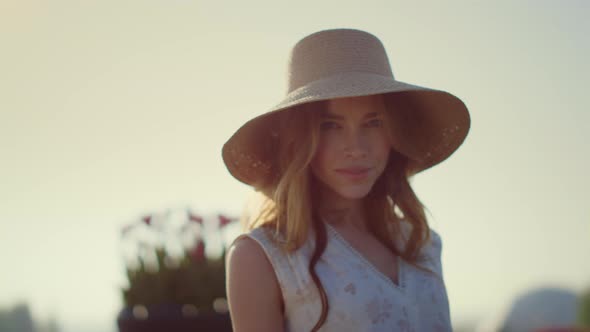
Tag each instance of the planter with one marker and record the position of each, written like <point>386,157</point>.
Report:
<point>168,318</point>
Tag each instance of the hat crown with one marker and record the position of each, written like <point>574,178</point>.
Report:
<point>332,52</point>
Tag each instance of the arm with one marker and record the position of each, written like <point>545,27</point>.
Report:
<point>253,292</point>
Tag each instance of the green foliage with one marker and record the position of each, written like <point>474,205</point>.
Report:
<point>194,281</point>
<point>17,318</point>
<point>584,309</point>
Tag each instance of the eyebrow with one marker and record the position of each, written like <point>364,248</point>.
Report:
<point>328,115</point>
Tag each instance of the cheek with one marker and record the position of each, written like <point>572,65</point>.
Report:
<point>381,147</point>
<point>323,155</point>
<point>320,166</point>
<point>317,162</point>
<point>384,151</point>
<point>324,161</point>
<point>381,154</point>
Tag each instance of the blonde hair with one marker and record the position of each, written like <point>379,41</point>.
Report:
<point>289,205</point>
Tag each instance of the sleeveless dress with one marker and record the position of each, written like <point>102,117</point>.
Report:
<point>361,298</point>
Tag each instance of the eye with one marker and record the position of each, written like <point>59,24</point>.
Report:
<point>327,125</point>
<point>374,123</point>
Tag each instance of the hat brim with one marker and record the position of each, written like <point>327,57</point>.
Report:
<point>429,124</point>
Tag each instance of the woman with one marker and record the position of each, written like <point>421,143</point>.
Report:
<point>342,243</point>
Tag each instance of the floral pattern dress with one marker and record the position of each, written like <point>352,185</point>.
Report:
<point>361,297</point>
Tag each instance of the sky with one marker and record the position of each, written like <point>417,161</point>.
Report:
<point>111,110</point>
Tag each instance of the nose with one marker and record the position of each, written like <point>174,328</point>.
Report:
<point>355,146</point>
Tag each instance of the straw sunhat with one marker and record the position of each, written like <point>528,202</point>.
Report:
<point>429,124</point>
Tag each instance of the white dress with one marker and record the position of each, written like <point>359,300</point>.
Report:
<point>361,298</point>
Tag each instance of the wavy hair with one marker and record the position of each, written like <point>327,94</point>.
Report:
<point>290,206</point>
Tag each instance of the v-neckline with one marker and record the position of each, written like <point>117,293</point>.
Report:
<point>400,285</point>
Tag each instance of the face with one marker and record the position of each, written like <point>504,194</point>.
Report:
<point>353,147</point>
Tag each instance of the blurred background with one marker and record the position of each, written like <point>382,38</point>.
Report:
<point>114,110</point>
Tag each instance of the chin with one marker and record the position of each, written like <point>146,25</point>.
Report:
<point>354,192</point>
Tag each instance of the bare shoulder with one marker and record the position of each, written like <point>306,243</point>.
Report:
<point>246,259</point>
<point>253,290</point>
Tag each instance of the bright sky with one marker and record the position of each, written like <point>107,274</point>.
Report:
<point>112,109</point>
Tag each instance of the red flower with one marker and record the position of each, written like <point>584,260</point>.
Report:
<point>147,220</point>
<point>224,221</point>
<point>198,251</point>
<point>195,218</point>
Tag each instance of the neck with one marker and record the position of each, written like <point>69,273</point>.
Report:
<point>342,212</point>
